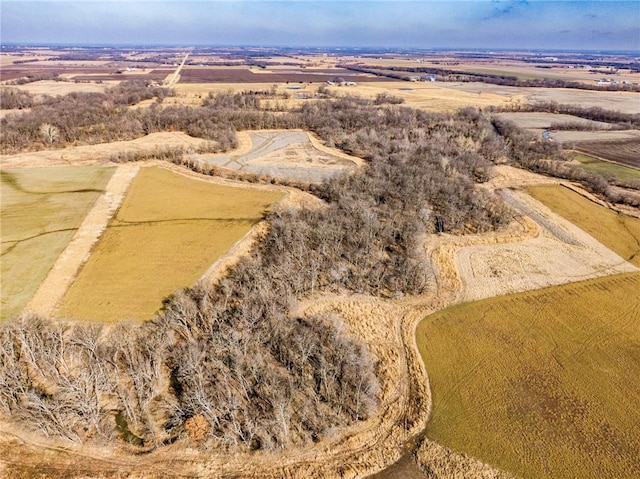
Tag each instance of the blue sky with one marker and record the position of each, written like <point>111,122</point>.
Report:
<point>532,24</point>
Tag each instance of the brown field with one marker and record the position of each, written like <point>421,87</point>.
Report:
<point>544,120</point>
<point>625,152</point>
<point>167,222</point>
<point>41,209</point>
<point>572,138</point>
<point>521,70</point>
<point>617,231</point>
<point>54,88</point>
<point>100,153</point>
<point>625,102</point>
<point>247,75</point>
<point>541,384</point>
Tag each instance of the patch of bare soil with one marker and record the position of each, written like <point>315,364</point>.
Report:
<point>292,154</point>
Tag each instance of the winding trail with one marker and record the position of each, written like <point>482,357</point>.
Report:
<point>53,288</point>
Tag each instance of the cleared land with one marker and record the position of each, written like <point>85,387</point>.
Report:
<point>545,120</point>
<point>626,152</point>
<point>66,267</point>
<point>285,154</point>
<point>606,168</point>
<point>167,222</point>
<point>542,384</point>
<point>100,153</point>
<point>41,210</point>
<point>617,231</point>
<point>609,137</point>
<point>624,102</point>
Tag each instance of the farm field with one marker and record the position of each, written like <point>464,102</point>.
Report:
<point>618,232</point>
<point>607,168</point>
<point>626,152</point>
<point>545,120</point>
<point>624,102</point>
<point>167,222</point>
<point>541,384</point>
<point>41,208</point>
<point>249,75</point>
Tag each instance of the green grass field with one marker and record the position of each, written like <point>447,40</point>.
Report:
<point>166,234</point>
<point>606,168</point>
<point>618,232</point>
<point>41,209</point>
<point>544,384</point>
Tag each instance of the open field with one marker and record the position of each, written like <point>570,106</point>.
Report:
<point>610,137</point>
<point>167,223</point>
<point>41,210</point>
<point>606,168</point>
<point>538,120</point>
<point>556,70</point>
<point>53,88</point>
<point>619,232</point>
<point>252,75</point>
<point>624,102</point>
<point>542,384</point>
<point>102,152</point>
<point>285,154</point>
<point>626,152</point>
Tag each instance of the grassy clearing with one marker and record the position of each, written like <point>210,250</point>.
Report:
<point>617,231</point>
<point>168,231</point>
<point>541,384</point>
<point>606,168</point>
<point>41,209</point>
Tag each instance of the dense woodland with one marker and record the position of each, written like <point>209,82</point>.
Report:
<point>231,367</point>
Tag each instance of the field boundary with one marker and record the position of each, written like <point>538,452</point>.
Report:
<point>49,294</point>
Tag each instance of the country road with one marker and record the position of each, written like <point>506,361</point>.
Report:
<point>176,74</point>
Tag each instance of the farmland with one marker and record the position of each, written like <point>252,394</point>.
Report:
<point>41,210</point>
<point>429,212</point>
<point>619,232</point>
<point>541,384</point>
<point>625,152</point>
<point>163,217</point>
<point>607,168</point>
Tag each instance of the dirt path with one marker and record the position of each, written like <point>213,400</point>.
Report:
<point>51,291</point>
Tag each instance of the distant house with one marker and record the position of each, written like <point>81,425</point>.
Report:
<point>428,78</point>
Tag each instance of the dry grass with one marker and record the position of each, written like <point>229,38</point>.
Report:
<point>101,153</point>
<point>545,120</point>
<point>54,88</point>
<point>168,231</point>
<point>617,231</point>
<point>624,102</point>
<point>41,210</point>
<point>541,384</point>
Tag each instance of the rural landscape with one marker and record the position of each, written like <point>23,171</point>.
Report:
<point>319,262</point>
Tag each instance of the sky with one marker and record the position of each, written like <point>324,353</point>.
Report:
<point>492,24</point>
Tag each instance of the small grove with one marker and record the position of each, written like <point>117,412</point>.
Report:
<point>230,367</point>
